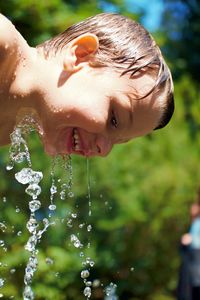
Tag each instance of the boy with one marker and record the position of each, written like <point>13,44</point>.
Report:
<point>101,82</point>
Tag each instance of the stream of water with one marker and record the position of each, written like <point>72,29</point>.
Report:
<point>31,180</point>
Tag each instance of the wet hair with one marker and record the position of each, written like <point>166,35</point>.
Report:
<point>125,46</point>
<point>167,111</point>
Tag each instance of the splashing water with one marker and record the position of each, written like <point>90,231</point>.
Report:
<point>68,186</point>
<point>89,187</point>
<point>53,188</point>
<point>19,153</point>
<point>87,262</point>
<point>31,179</point>
<point>75,241</point>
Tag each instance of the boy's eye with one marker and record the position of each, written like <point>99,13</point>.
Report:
<point>113,120</point>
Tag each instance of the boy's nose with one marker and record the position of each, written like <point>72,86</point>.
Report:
<point>103,145</point>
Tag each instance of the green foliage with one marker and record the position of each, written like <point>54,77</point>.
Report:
<point>140,194</point>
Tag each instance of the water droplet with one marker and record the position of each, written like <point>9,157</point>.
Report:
<point>34,205</point>
<point>32,225</point>
<point>69,223</point>
<point>19,233</point>
<point>1,282</point>
<point>53,189</point>
<point>46,222</point>
<point>81,254</point>
<point>87,292</point>
<point>24,176</point>
<point>81,225</point>
<point>64,186</point>
<point>88,283</point>
<point>92,263</point>
<point>52,207</point>
<point>12,271</point>
<point>62,195</point>
<point>77,244</point>
<point>20,157</point>
<point>74,216</point>
<point>71,194</point>
<point>3,227</point>
<point>17,209</point>
<point>2,243</point>
<point>49,261</point>
<point>132,269</point>
<point>88,261</point>
<point>85,274</point>
<point>27,175</point>
<point>76,241</point>
<point>33,190</point>
<point>10,166</point>
<point>89,227</point>
<point>4,199</point>
<point>28,293</point>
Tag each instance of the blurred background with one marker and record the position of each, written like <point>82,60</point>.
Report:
<point>140,194</point>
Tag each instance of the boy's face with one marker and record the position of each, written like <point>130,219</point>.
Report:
<point>93,109</point>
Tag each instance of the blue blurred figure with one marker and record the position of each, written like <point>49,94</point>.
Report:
<point>189,277</point>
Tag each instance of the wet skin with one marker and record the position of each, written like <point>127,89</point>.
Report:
<point>90,119</point>
<point>80,109</point>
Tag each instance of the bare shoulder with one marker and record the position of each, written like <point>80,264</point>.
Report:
<point>8,35</point>
<point>7,29</point>
<point>3,19</point>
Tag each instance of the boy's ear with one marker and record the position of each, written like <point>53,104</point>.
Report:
<point>80,50</point>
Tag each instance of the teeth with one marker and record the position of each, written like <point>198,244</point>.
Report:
<point>77,147</point>
<point>76,140</point>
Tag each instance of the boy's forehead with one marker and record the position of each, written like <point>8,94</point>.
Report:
<point>137,87</point>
